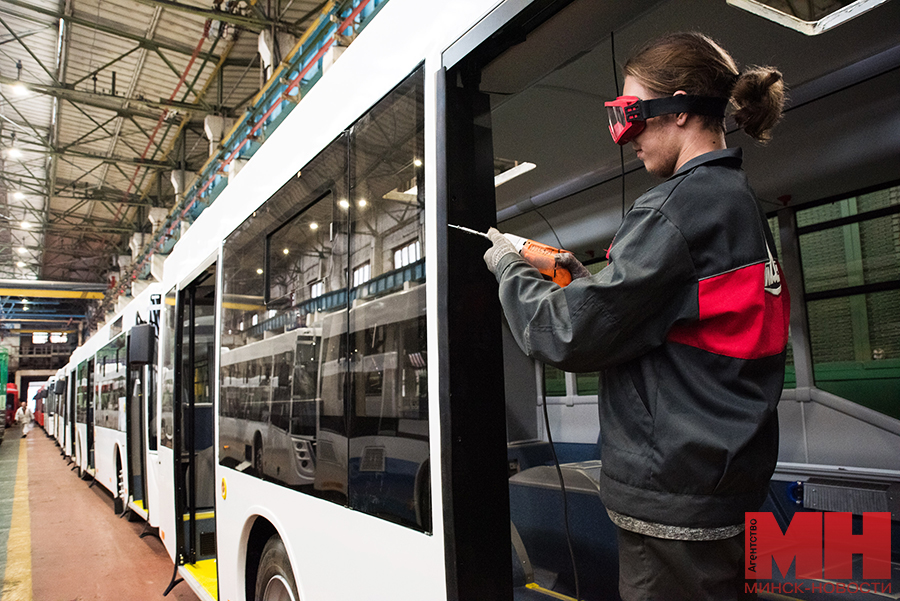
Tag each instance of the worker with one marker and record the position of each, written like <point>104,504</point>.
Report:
<point>25,417</point>
<point>687,325</point>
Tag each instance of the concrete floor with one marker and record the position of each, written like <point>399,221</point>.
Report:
<point>61,541</point>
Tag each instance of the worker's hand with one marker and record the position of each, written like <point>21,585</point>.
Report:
<point>502,247</point>
<point>568,261</point>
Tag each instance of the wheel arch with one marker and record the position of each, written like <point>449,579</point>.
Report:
<point>260,532</point>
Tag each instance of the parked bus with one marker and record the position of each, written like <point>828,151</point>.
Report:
<point>12,402</point>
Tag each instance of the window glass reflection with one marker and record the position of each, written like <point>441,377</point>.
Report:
<point>324,359</point>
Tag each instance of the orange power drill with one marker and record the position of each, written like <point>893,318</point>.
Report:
<point>541,256</point>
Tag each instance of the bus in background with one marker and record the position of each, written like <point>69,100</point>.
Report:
<point>57,402</point>
<point>113,423</point>
<point>268,407</point>
<point>39,404</point>
<point>12,402</point>
<point>4,378</point>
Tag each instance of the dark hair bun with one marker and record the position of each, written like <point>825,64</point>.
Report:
<point>758,97</point>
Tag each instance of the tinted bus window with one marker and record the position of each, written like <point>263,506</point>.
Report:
<point>387,357</point>
<point>276,420</point>
<point>111,385</point>
<point>167,379</point>
<point>851,273</point>
<point>324,378</point>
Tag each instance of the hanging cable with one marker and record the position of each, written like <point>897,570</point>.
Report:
<point>565,501</point>
<point>612,43</point>
<point>559,474</point>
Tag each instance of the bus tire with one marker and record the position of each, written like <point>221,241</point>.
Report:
<point>258,456</point>
<point>118,500</point>
<point>275,579</point>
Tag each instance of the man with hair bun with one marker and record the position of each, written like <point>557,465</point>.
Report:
<point>687,325</point>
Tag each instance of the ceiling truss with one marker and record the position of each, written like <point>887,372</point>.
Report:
<point>100,103</point>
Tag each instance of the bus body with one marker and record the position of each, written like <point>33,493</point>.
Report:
<point>333,390</point>
<point>12,402</point>
<point>110,408</point>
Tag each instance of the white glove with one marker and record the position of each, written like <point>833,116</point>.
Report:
<point>502,247</point>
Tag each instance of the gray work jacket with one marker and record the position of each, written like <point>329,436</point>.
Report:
<point>687,325</point>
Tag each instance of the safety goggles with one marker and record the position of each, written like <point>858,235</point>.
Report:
<point>628,114</point>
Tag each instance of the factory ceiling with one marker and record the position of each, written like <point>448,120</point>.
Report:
<point>101,101</point>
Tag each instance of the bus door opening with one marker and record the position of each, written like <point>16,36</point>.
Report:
<point>194,420</point>
<point>91,466</point>
<point>141,341</point>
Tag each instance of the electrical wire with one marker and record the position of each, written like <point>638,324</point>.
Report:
<point>555,235</point>
<point>612,43</point>
<point>565,501</point>
<point>562,483</point>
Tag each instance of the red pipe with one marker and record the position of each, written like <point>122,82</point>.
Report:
<point>294,83</point>
<point>162,117</point>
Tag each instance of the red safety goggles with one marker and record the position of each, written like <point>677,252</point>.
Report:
<point>628,114</point>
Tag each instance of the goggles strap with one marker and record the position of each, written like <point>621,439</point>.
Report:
<point>682,103</point>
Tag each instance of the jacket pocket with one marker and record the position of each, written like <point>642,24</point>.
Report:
<point>626,428</point>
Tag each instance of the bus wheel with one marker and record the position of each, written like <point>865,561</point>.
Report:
<point>275,579</point>
<point>258,455</point>
<point>119,501</point>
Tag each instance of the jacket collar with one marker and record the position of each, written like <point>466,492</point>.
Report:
<point>729,157</point>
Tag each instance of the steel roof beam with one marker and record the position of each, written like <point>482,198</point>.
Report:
<point>135,162</point>
<point>28,50</point>
<point>250,23</point>
<point>104,66</point>
<point>25,121</point>
<point>95,228</point>
<point>114,104</point>
<point>107,29</point>
<point>202,104</point>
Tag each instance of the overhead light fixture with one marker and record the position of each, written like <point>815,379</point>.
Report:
<point>20,264</point>
<point>313,226</point>
<point>519,169</point>
<point>25,225</point>
<point>22,250</point>
<point>417,162</point>
<point>286,251</point>
<point>19,195</point>
<point>362,202</point>
<point>13,152</point>
<point>344,203</point>
<point>259,271</point>
<point>810,18</point>
<point>19,87</point>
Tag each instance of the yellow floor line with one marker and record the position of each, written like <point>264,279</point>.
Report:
<point>205,573</point>
<point>17,581</point>
<point>548,592</point>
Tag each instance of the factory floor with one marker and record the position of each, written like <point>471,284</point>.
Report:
<point>59,537</point>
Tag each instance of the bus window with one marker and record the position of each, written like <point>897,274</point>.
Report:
<point>388,413</point>
<point>167,410</point>
<point>850,275</point>
<point>281,418</point>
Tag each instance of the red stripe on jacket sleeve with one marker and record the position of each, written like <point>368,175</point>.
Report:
<point>738,317</point>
